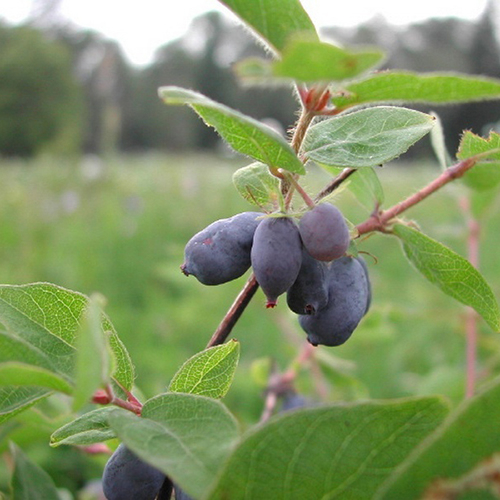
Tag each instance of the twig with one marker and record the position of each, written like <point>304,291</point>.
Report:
<point>471,332</point>
<point>335,183</point>
<point>235,311</point>
<point>378,221</point>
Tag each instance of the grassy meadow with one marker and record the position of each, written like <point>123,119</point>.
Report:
<point>119,227</point>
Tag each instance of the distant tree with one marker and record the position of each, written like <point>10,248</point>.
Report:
<point>40,102</point>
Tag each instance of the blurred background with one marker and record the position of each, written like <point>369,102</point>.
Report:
<point>102,185</point>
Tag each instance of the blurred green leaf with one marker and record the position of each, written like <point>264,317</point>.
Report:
<point>29,481</point>
<point>90,428</point>
<point>467,437</point>
<point>311,61</point>
<point>14,399</point>
<point>244,134</point>
<point>187,437</point>
<point>366,138</point>
<point>209,372</point>
<point>403,86</point>
<point>485,174</point>
<point>273,21</point>
<point>14,373</point>
<point>257,185</point>
<point>92,364</point>
<point>451,272</point>
<point>338,451</point>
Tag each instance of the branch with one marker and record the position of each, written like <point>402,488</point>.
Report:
<point>379,220</point>
<point>235,311</point>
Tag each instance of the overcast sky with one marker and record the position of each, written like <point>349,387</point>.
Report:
<point>142,27</point>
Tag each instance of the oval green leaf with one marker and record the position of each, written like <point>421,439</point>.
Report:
<point>257,185</point>
<point>244,134</point>
<point>451,272</point>
<point>431,88</point>
<point>187,437</point>
<point>341,451</point>
<point>366,138</point>
<point>209,372</point>
<point>273,22</point>
<point>90,428</point>
<point>46,319</point>
<point>485,174</point>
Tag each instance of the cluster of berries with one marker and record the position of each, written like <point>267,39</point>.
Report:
<point>329,290</point>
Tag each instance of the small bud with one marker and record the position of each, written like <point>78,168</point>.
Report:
<point>101,397</point>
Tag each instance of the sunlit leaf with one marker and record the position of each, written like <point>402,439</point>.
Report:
<point>209,372</point>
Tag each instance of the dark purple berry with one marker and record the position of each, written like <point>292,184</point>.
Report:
<point>126,477</point>
<point>276,256</point>
<point>309,292</point>
<point>324,232</point>
<point>292,401</point>
<point>348,300</point>
<point>221,252</point>
<point>180,494</point>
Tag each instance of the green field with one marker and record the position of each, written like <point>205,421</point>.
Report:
<point>119,227</point>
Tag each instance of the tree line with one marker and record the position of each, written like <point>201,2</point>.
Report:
<point>66,90</point>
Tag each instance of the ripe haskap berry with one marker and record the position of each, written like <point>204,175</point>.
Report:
<point>221,252</point>
<point>309,292</point>
<point>324,232</point>
<point>276,256</point>
<point>126,477</point>
<point>348,301</point>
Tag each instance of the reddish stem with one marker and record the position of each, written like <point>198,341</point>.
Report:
<point>379,220</point>
<point>234,312</point>
<point>471,332</point>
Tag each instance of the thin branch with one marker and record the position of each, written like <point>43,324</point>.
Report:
<point>378,221</point>
<point>235,311</point>
<point>334,183</point>
<point>471,332</point>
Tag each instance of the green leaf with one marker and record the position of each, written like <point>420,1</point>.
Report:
<point>485,174</point>
<point>14,373</point>
<point>45,319</point>
<point>29,481</point>
<point>187,437</point>
<point>273,22</point>
<point>432,88</point>
<point>451,272</point>
<point>438,143</point>
<point>341,451</point>
<point>257,185</point>
<point>92,365</point>
<point>311,61</point>
<point>14,399</point>
<point>244,134</point>
<point>467,437</point>
<point>366,138</point>
<point>90,428</point>
<point>209,372</point>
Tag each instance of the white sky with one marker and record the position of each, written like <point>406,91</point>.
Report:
<point>141,27</point>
